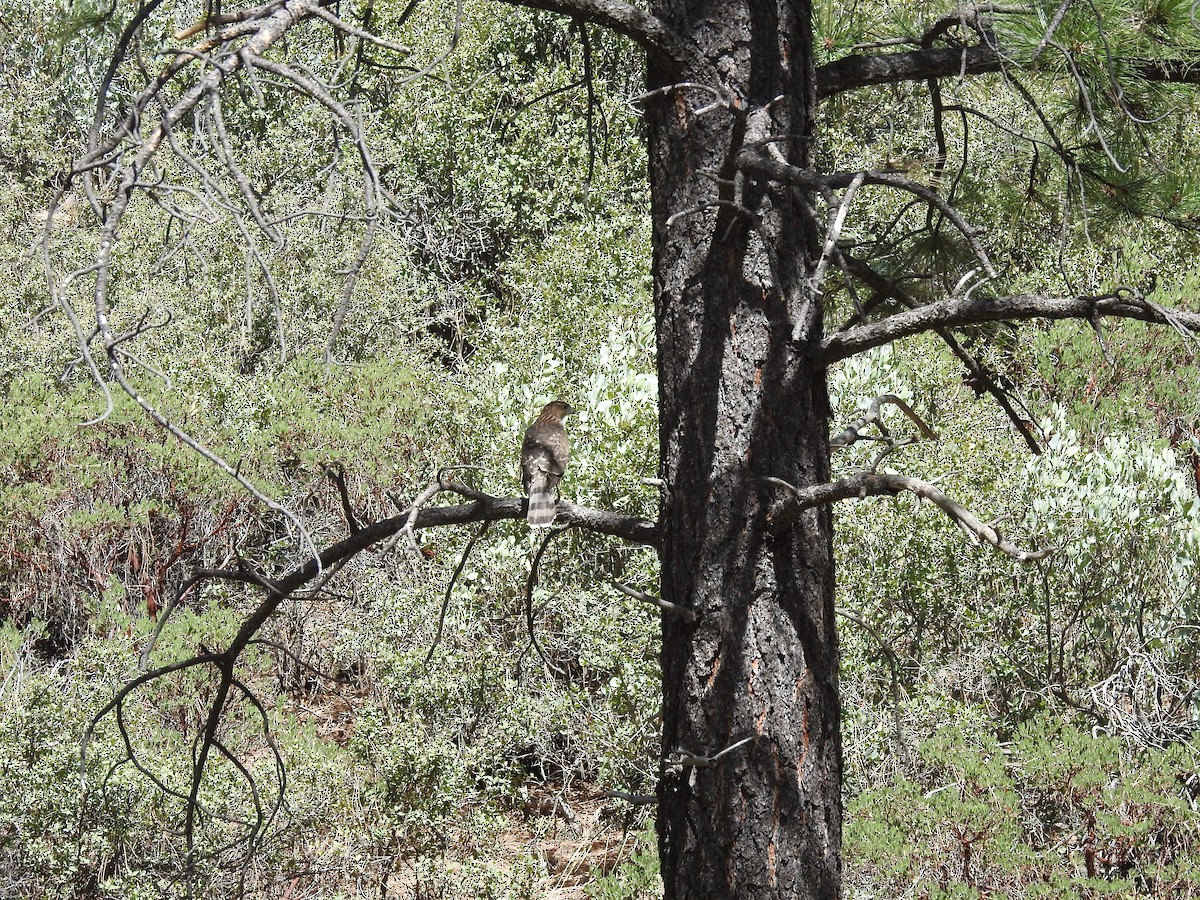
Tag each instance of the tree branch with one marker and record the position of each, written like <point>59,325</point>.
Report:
<point>648,31</point>
<point>864,70</point>
<point>868,484</point>
<point>857,71</point>
<point>483,508</point>
<point>971,310</point>
<point>674,609</point>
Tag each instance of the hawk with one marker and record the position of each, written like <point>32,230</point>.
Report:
<point>544,456</point>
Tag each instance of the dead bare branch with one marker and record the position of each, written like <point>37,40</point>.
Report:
<point>980,378</point>
<point>873,416</point>
<point>674,609</point>
<point>869,484</point>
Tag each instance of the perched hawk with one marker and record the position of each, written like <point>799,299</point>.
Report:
<point>544,456</point>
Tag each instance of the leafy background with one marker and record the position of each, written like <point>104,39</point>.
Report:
<point>1010,730</point>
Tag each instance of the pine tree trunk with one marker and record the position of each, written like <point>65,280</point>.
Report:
<point>740,403</point>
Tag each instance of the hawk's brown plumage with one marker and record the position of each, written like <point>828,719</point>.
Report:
<point>544,456</point>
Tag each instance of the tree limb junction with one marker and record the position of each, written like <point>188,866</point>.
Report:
<point>644,29</point>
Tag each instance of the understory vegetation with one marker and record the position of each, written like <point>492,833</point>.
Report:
<point>1011,729</point>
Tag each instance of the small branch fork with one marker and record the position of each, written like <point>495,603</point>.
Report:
<point>852,433</point>
<point>981,378</point>
<point>873,416</point>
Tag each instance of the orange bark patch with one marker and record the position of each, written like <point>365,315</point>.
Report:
<point>712,675</point>
<point>681,110</point>
<point>805,740</point>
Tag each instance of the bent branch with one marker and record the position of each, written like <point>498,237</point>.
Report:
<point>874,416</point>
<point>868,484</point>
<point>971,310</point>
<point>646,30</point>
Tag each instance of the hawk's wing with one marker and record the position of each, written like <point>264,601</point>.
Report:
<point>544,456</point>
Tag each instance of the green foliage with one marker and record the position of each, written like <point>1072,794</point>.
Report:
<point>512,266</point>
<point>1121,515</point>
<point>41,805</point>
<point>1053,812</point>
<point>985,647</point>
<point>635,879</point>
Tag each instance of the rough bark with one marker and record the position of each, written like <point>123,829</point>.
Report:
<point>740,402</point>
<point>914,65</point>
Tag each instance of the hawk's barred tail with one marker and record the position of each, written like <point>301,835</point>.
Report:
<point>541,505</point>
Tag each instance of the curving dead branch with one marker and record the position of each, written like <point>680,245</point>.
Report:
<point>869,484</point>
<point>127,154</point>
<point>243,836</point>
<point>530,584</point>
<point>462,562</point>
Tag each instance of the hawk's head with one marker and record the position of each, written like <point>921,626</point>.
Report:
<point>557,409</point>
